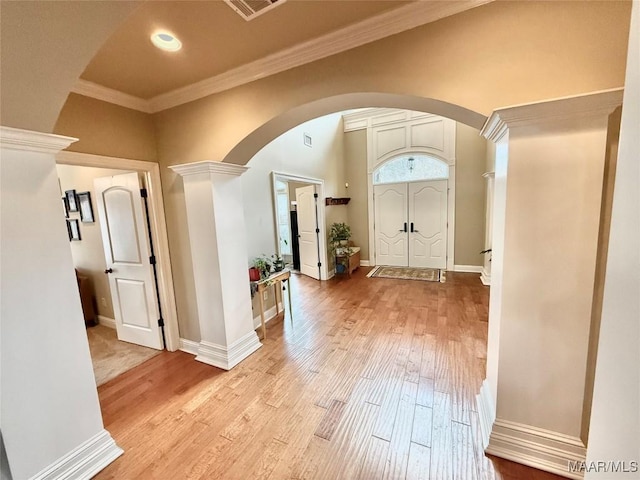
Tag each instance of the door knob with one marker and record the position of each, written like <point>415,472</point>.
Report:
<point>109,270</point>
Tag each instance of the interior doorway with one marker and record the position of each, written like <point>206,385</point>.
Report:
<point>105,300</point>
<point>300,225</point>
<point>411,224</point>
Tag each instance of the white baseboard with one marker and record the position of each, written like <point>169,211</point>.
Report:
<point>268,315</point>
<point>365,263</point>
<point>228,357</point>
<point>189,346</point>
<point>485,277</point>
<point>467,268</point>
<point>486,411</point>
<point>536,447</point>
<point>106,321</point>
<point>84,461</point>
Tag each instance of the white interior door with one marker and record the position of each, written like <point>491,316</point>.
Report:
<point>127,253</point>
<point>308,238</point>
<point>428,224</point>
<point>391,224</point>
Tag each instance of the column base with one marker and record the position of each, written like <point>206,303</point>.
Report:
<point>542,449</point>
<point>228,357</point>
<point>85,461</point>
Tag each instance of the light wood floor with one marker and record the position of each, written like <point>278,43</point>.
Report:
<point>377,379</point>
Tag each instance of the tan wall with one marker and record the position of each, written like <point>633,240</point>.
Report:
<point>107,129</point>
<point>88,253</point>
<point>45,48</point>
<point>470,196</point>
<point>534,51</point>
<point>355,158</point>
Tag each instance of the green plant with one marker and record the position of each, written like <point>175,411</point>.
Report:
<point>263,264</point>
<point>339,235</point>
<point>278,262</point>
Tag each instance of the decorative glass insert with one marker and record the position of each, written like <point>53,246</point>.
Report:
<point>411,168</point>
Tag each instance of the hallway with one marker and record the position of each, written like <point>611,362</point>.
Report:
<point>376,379</point>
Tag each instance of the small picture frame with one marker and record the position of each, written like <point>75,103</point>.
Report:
<point>73,228</point>
<point>85,207</point>
<point>65,207</point>
<point>72,201</point>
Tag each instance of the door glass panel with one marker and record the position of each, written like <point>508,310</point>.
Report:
<point>411,168</point>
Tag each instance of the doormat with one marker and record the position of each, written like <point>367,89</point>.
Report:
<point>409,273</point>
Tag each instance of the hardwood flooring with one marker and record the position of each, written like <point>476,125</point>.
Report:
<point>375,380</point>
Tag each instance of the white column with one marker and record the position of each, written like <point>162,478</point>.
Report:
<point>217,235</point>
<point>50,419</point>
<point>549,176</point>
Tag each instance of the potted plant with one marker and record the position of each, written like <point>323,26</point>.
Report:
<point>278,262</point>
<point>339,236</point>
<point>263,264</point>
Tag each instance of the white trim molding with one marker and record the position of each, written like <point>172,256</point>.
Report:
<point>116,97</point>
<point>468,268</point>
<point>486,411</point>
<point>106,321</point>
<point>596,104</point>
<point>228,357</point>
<point>365,263</point>
<point>209,166</point>
<point>30,141</point>
<point>485,277</point>
<point>536,447</point>
<point>375,28</point>
<point>189,346</point>
<point>84,461</point>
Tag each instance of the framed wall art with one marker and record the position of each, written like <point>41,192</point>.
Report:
<point>72,201</point>
<point>85,207</point>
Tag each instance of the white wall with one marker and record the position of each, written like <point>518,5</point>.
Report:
<point>615,415</point>
<point>288,154</point>
<point>88,253</point>
<point>49,399</point>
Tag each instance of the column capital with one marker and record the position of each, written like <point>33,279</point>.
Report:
<point>575,108</point>
<point>209,166</point>
<point>28,140</point>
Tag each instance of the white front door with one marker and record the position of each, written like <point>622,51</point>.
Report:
<point>127,253</point>
<point>411,224</point>
<point>308,237</point>
<point>391,224</point>
<point>428,224</point>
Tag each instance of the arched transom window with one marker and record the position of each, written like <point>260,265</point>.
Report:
<point>411,168</point>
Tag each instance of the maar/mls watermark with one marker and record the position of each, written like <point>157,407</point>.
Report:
<point>601,466</point>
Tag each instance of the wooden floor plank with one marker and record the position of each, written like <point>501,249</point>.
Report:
<point>376,378</point>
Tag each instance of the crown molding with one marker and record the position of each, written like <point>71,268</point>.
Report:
<point>578,107</point>
<point>93,90</point>
<point>367,31</point>
<point>28,140</point>
<point>209,166</point>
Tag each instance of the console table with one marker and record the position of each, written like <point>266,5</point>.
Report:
<point>275,280</point>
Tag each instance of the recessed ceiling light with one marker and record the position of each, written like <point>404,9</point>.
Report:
<point>166,41</point>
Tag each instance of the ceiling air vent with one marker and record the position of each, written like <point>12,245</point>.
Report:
<point>250,9</point>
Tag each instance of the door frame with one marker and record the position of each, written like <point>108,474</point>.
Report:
<point>451,201</point>
<point>151,173</point>
<point>322,240</point>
